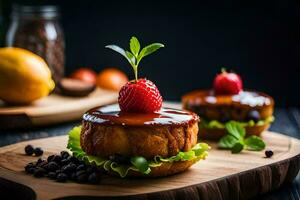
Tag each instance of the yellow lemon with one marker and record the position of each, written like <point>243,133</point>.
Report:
<point>24,76</point>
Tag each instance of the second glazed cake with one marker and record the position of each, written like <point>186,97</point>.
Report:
<point>227,101</point>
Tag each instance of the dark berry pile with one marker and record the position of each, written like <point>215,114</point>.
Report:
<point>64,167</point>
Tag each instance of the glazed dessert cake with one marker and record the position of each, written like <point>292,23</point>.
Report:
<point>254,109</point>
<point>137,137</point>
<point>228,102</point>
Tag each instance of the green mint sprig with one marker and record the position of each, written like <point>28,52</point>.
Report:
<point>135,56</point>
<point>236,141</point>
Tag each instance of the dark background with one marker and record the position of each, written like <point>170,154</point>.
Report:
<point>259,40</point>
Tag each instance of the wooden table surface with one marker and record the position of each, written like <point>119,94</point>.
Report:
<point>287,122</point>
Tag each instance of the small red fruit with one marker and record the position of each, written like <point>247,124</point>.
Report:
<point>111,79</point>
<point>85,74</point>
<point>141,95</point>
<point>228,83</point>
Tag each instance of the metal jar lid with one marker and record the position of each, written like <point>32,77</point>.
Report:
<point>44,11</point>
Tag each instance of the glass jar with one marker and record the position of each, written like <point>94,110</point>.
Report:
<point>36,28</point>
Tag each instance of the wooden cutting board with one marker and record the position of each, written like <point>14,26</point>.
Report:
<point>52,109</point>
<point>221,176</point>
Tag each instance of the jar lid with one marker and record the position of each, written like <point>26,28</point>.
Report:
<point>45,11</point>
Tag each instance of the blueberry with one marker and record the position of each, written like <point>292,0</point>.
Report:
<point>29,150</point>
<point>71,167</point>
<point>64,162</point>
<point>118,158</point>
<point>93,178</point>
<point>73,176</point>
<point>224,118</point>
<point>52,166</point>
<point>269,153</point>
<point>91,169</point>
<point>29,168</point>
<point>73,159</point>
<point>30,165</point>
<point>50,158</point>
<point>81,167</point>
<point>58,171</point>
<point>64,154</point>
<point>81,162</point>
<point>52,175</point>
<point>42,163</point>
<point>61,177</point>
<point>82,178</point>
<point>78,173</point>
<point>57,159</point>
<point>39,161</point>
<point>39,172</point>
<point>38,151</point>
<point>253,115</point>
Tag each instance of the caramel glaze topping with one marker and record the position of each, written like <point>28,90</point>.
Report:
<point>111,114</point>
<point>244,98</point>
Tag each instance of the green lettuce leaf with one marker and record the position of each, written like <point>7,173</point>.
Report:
<point>220,125</point>
<point>140,164</point>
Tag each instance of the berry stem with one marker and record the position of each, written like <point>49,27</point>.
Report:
<point>135,67</point>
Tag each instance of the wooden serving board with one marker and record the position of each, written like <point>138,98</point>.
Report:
<point>221,176</point>
<point>52,109</point>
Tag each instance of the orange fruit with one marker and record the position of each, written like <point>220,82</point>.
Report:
<point>85,74</point>
<point>111,79</point>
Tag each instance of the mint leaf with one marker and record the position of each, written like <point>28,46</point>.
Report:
<point>235,129</point>
<point>227,142</point>
<point>254,143</point>
<point>148,50</point>
<point>235,139</point>
<point>119,50</point>
<point>140,163</point>
<point>237,148</point>
<point>134,46</point>
<point>135,56</point>
<point>131,58</point>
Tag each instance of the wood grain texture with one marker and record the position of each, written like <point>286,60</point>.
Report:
<point>52,109</point>
<point>221,176</point>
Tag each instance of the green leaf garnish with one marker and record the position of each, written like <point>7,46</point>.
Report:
<point>254,143</point>
<point>235,129</point>
<point>216,124</point>
<point>227,142</point>
<point>135,46</point>
<point>119,50</point>
<point>135,56</point>
<point>237,148</point>
<point>148,50</point>
<point>138,163</point>
<point>236,141</point>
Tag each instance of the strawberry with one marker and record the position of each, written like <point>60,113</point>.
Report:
<point>140,96</point>
<point>228,83</point>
